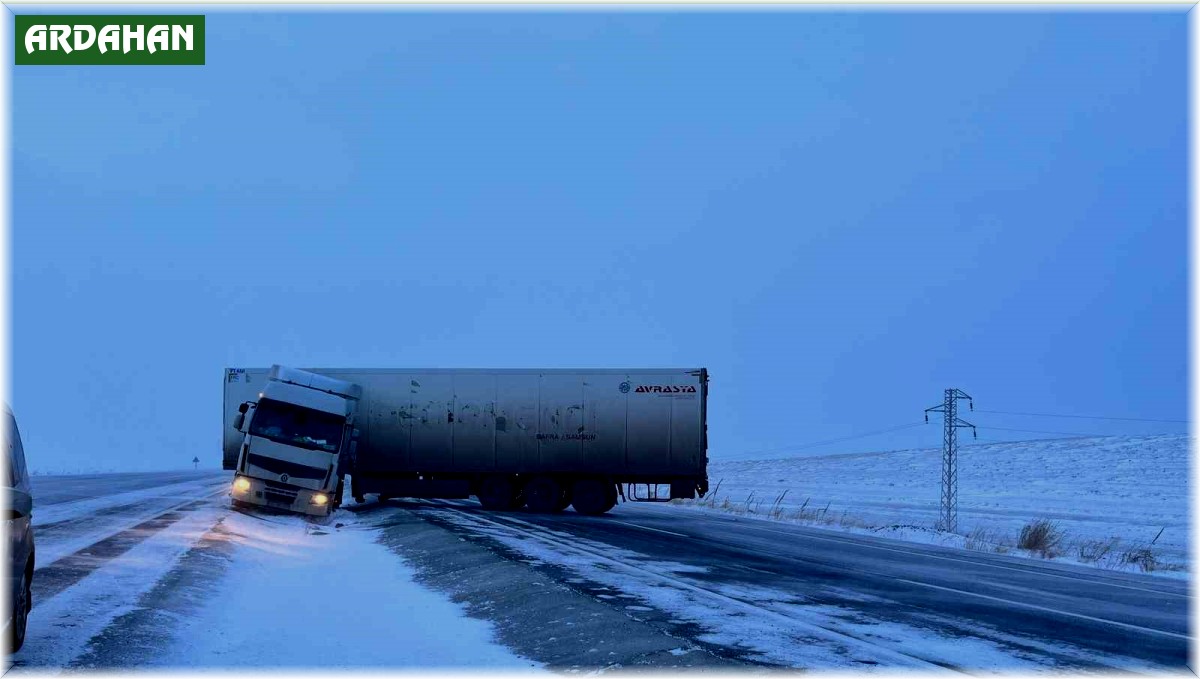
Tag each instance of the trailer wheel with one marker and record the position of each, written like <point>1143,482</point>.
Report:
<point>497,493</point>
<point>593,496</point>
<point>565,500</point>
<point>543,494</point>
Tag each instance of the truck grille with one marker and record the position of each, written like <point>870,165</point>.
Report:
<point>277,492</point>
<point>292,469</point>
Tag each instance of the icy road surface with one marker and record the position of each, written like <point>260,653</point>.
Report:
<point>157,571</point>
<point>791,596</point>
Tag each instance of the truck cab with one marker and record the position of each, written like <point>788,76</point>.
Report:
<point>297,440</point>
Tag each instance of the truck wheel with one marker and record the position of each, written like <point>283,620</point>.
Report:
<point>497,493</point>
<point>518,500</point>
<point>593,496</point>
<point>543,494</point>
<point>360,500</point>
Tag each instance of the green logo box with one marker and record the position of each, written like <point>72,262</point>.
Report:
<point>109,40</point>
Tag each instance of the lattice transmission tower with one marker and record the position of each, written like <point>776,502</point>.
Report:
<point>949,410</point>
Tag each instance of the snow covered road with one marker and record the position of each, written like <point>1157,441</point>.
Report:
<point>60,490</point>
<point>159,572</point>
<point>784,595</point>
<point>72,513</point>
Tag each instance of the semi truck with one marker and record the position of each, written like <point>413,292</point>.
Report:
<point>546,439</point>
<point>289,435</point>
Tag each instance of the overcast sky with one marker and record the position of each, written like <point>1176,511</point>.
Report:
<point>839,214</point>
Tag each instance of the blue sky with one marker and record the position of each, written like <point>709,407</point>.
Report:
<point>838,213</point>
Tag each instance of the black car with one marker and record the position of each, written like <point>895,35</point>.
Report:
<point>18,524</point>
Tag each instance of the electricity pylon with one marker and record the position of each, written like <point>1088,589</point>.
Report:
<point>949,410</point>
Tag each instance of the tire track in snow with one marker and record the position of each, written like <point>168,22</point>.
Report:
<point>77,527</point>
<point>63,623</point>
<point>943,640</point>
<point>51,579</point>
<point>857,645</point>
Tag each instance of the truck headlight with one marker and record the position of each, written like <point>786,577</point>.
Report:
<point>320,499</point>
<point>241,483</point>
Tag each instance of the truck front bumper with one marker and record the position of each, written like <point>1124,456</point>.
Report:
<point>279,496</point>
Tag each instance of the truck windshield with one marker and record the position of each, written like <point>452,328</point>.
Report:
<point>297,426</point>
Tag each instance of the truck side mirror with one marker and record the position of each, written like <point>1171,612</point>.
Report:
<point>239,420</point>
<point>353,435</point>
<point>244,407</point>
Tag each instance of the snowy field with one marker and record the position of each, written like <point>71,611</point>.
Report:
<point>1114,493</point>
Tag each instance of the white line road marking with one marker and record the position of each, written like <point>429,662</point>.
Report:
<point>1081,616</point>
<point>656,530</point>
<point>756,570</point>
<point>1031,570</point>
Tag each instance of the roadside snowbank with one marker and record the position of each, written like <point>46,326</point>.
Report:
<point>301,594</point>
<point>1118,491</point>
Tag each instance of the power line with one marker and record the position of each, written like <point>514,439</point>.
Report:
<point>1042,431</point>
<point>989,440</point>
<point>877,432</point>
<point>1065,433</point>
<point>1085,417</point>
<point>829,441</point>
